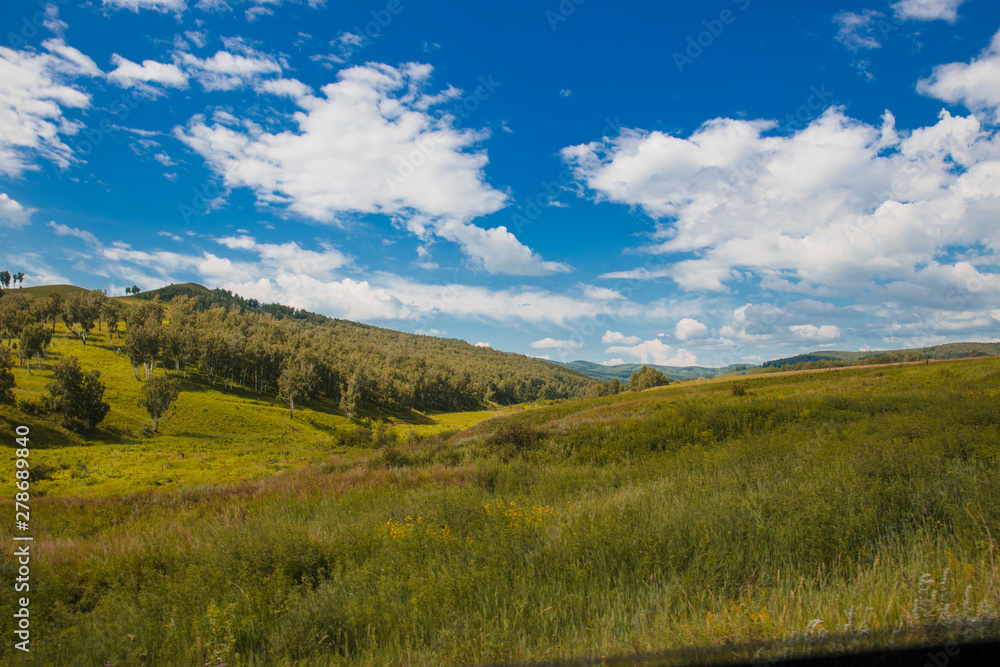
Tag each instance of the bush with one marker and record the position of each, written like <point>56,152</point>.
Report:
<point>511,438</point>
<point>78,396</point>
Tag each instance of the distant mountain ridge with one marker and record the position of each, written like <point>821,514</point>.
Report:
<point>835,357</point>
<point>933,352</point>
<point>624,371</point>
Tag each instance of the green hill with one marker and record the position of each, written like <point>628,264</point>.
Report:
<point>803,514</point>
<point>935,352</point>
<point>624,371</point>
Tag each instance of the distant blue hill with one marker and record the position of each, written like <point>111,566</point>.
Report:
<point>624,371</point>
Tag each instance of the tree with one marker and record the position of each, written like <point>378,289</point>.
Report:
<point>646,377</point>
<point>15,314</point>
<point>82,311</point>
<point>5,278</point>
<point>135,289</point>
<point>128,290</point>
<point>50,308</point>
<point>78,396</point>
<point>34,338</point>
<point>157,396</point>
<point>350,395</point>
<point>111,314</point>
<point>6,378</point>
<point>144,327</point>
<point>20,279</point>
<point>296,382</point>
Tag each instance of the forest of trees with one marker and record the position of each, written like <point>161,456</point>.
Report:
<point>231,343</point>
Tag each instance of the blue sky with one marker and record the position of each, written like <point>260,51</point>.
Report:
<point>674,183</point>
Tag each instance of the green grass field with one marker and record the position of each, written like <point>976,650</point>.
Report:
<point>823,510</point>
<point>211,435</point>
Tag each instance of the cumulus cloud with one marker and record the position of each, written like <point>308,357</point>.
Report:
<point>322,264</point>
<point>838,208</point>
<point>975,84</point>
<point>227,71</point>
<point>35,91</point>
<point>12,214</point>
<point>656,352</point>
<point>553,344</point>
<point>147,76</point>
<point>370,144</point>
<point>928,10</point>
<point>812,332</point>
<point>689,328</point>
<point>618,338</point>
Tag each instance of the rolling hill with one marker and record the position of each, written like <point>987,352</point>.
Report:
<point>934,352</point>
<point>623,371</point>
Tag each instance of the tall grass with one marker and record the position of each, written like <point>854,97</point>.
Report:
<point>865,501</point>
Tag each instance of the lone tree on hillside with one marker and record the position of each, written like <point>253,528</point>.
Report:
<point>78,396</point>
<point>296,382</point>
<point>35,337</point>
<point>157,396</point>
<point>6,378</point>
<point>646,377</point>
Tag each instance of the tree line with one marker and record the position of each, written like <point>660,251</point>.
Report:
<point>280,351</point>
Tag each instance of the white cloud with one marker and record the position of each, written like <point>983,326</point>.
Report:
<point>12,214</point>
<point>128,74</point>
<point>975,84</point>
<point>52,22</point>
<point>228,71</point>
<point>618,338</point>
<point>163,6</point>
<point>688,329</point>
<point>857,31</point>
<point>642,273</point>
<point>601,293</point>
<point>292,88</point>
<point>838,208</point>
<point>83,235</point>
<point>290,256</point>
<point>35,90</point>
<point>553,344</point>
<point>928,10</point>
<point>812,332</point>
<point>496,250</point>
<point>482,344</point>
<point>369,145</point>
<point>655,352</point>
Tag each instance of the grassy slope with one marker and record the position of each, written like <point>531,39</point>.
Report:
<point>934,352</point>
<point>211,436</point>
<point>681,516</point>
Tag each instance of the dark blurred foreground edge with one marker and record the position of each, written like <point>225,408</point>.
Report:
<point>950,654</point>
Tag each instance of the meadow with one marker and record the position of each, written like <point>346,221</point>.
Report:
<point>796,513</point>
